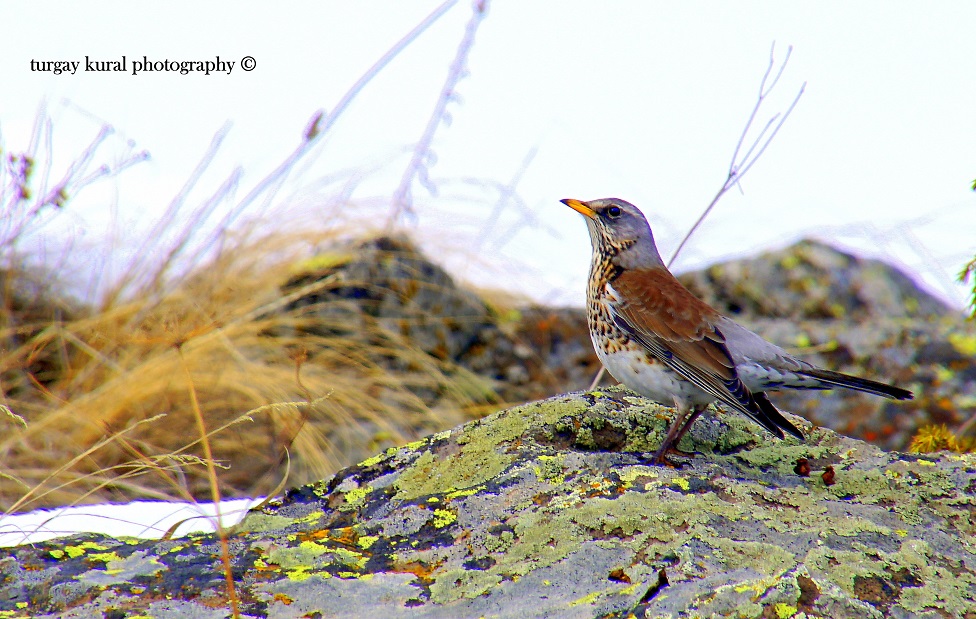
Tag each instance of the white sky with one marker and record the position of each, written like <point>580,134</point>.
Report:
<point>639,100</point>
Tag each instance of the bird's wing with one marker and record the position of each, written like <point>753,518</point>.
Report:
<point>680,330</point>
<point>785,369</point>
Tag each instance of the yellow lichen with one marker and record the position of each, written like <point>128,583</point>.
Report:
<point>415,445</point>
<point>76,551</point>
<point>371,461</point>
<point>356,496</point>
<point>443,517</point>
<point>321,262</point>
<point>300,573</point>
<point>464,492</point>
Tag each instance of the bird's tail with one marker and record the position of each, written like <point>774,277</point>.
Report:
<point>838,379</point>
<point>773,415</point>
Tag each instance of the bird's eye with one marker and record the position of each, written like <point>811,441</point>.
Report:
<point>614,212</point>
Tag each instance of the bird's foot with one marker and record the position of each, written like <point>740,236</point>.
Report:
<point>661,458</point>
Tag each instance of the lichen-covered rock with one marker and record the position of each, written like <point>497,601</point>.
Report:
<point>812,280</point>
<point>551,509</point>
<point>386,280</point>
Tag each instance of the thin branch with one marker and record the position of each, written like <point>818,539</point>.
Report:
<point>507,193</point>
<point>741,165</point>
<point>422,157</point>
<point>392,53</point>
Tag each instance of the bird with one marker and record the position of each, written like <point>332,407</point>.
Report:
<point>657,338</point>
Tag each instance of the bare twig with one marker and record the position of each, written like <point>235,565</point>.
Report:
<point>507,194</point>
<point>149,251</point>
<point>422,156</point>
<point>740,165</point>
<point>25,196</point>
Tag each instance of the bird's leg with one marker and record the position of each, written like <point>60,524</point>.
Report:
<point>682,423</point>
<point>695,412</point>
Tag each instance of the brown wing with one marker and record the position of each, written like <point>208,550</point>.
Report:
<point>659,306</point>
<point>678,328</point>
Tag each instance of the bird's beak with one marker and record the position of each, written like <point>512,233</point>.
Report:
<point>580,207</point>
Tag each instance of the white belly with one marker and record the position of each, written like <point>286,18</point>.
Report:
<point>653,380</point>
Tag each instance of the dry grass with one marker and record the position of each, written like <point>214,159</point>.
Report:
<point>106,404</point>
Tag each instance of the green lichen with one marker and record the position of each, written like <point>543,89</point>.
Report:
<point>454,584</point>
<point>550,468</point>
<point>478,458</point>
<point>763,558</point>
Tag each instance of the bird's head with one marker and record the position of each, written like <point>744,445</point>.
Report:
<point>618,228</point>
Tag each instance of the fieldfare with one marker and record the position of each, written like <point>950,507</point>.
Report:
<point>657,338</point>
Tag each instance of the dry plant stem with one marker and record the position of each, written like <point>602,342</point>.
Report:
<point>38,491</point>
<point>214,487</point>
<point>507,193</point>
<point>966,425</point>
<point>417,168</point>
<point>320,123</point>
<point>739,167</point>
<point>370,73</point>
<point>17,211</point>
<point>149,252</point>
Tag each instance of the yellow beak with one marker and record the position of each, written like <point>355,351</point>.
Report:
<point>580,207</point>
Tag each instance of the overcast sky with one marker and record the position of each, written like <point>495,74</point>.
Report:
<point>639,100</point>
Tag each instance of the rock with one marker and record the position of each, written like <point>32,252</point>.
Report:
<point>812,280</point>
<point>386,284</point>
<point>388,280</point>
<point>31,300</point>
<point>551,510</point>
